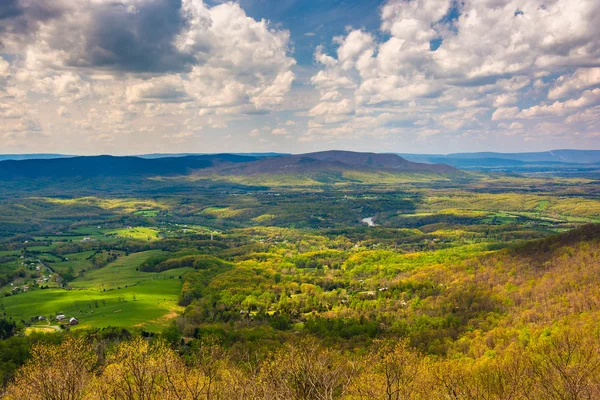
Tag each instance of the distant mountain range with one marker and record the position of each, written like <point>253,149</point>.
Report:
<point>4,157</point>
<point>94,166</point>
<point>552,156</point>
<point>326,162</point>
<point>487,160</point>
<point>322,163</point>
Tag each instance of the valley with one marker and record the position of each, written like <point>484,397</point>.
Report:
<point>456,265</point>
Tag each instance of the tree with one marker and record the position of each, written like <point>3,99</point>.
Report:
<point>392,372</point>
<point>566,364</point>
<point>61,372</point>
<point>306,371</point>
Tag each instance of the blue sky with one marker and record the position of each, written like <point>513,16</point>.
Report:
<point>312,23</point>
<point>425,76</point>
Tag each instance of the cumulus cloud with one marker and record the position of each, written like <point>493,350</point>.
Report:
<point>472,55</point>
<point>9,111</point>
<point>162,89</point>
<point>435,70</point>
<point>279,131</point>
<point>27,129</point>
<point>583,78</point>
<point>131,35</point>
<point>4,68</point>
<point>505,113</point>
<point>588,98</point>
<point>102,54</point>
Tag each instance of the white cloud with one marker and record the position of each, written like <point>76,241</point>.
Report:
<point>241,61</point>
<point>70,87</point>
<point>279,131</point>
<point>505,99</point>
<point>587,98</point>
<point>162,90</point>
<point>489,57</point>
<point>141,63</point>
<point>344,107</point>
<point>505,113</point>
<point>27,129</point>
<point>12,110</point>
<point>583,78</point>
<point>4,68</point>
<point>513,126</point>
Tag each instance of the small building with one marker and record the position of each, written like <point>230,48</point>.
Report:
<point>73,321</point>
<point>60,317</point>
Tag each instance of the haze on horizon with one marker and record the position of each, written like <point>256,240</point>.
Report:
<point>412,76</point>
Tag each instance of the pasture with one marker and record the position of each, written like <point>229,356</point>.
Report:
<point>116,295</point>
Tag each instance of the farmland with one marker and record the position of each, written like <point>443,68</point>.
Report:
<point>116,295</point>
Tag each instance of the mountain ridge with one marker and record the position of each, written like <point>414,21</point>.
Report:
<point>218,164</point>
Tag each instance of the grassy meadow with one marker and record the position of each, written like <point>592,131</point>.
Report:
<point>116,295</point>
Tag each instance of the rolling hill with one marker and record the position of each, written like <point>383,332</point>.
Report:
<point>331,167</point>
<point>334,161</point>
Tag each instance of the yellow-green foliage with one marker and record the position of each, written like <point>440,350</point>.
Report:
<point>576,207</point>
<point>222,212</point>
<point>266,180</point>
<point>391,178</point>
<point>482,201</point>
<point>387,263</point>
<point>126,205</point>
<point>561,363</point>
<point>264,218</point>
<point>514,202</point>
<point>141,233</point>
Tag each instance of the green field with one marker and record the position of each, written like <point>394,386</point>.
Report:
<point>116,295</point>
<point>78,261</point>
<point>123,273</point>
<point>141,233</point>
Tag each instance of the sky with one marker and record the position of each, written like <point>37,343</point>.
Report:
<point>409,76</point>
